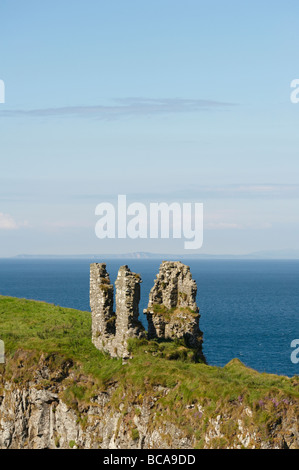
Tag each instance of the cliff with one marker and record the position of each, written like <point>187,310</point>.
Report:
<point>57,390</point>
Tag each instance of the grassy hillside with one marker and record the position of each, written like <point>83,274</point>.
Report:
<point>62,334</point>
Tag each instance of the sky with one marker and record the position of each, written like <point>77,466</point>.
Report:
<point>161,101</point>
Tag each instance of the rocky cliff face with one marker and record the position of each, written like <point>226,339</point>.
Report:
<point>63,393</point>
<point>35,414</point>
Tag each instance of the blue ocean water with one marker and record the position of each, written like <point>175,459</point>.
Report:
<point>249,309</point>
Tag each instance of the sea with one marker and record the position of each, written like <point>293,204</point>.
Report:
<point>249,308</point>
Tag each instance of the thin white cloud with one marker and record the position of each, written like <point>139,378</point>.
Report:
<point>7,222</point>
<point>201,193</point>
<point>236,226</point>
<point>67,224</point>
<point>223,226</point>
<point>123,108</point>
<point>246,191</point>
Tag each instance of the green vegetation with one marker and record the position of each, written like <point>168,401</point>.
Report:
<point>105,286</point>
<point>61,332</point>
<point>135,434</point>
<point>167,349</point>
<point>167,313</point>
<point>32,330</point>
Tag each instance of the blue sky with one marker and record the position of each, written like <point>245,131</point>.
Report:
<point>162,101</point>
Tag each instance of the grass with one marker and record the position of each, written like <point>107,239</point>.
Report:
<point>64,336</point>
<point>38,326</point>
<point>62,332</point>
<point>135,434</point>
<point>167,313</point>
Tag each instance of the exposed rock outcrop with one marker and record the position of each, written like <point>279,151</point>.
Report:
<point>35,414</point>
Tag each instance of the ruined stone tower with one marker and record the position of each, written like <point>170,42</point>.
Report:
<point>110,331</point>
<point>172,312</point>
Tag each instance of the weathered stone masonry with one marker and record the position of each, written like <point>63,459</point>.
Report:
<point>172,312</point>
<point>110,331</point>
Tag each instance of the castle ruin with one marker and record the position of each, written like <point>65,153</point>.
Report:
<point>172,312</point>
<point>110,331</point>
